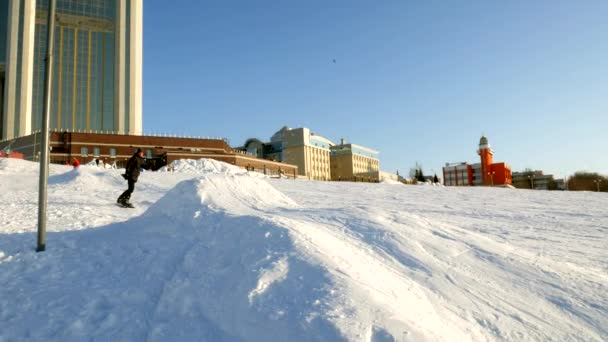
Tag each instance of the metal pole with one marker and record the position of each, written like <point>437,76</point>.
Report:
<point>533,182</point>
<point>34,153</point>
<point>44,155</point>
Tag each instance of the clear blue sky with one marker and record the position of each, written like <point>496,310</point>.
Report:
<point>415,80</point>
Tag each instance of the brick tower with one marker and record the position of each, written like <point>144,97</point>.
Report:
<point>485,152</point>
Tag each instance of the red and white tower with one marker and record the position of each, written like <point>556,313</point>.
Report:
<point>485,152</point>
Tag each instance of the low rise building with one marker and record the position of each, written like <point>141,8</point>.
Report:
<point>534,179</point>
<point>118,148</point>
<point>351,162</point>
<point>316,156</point>
<point>484,173</point>
<point>310,152</point>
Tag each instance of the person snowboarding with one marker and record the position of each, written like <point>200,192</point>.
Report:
<point>135,163</point>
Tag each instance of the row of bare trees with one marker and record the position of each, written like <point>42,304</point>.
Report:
<point>587,181</point>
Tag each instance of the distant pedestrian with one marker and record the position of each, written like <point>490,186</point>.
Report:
<point>75,163</point>
<point>134,165</point>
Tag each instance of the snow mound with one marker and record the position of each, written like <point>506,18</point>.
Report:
<point>202,166</point>
<point>12,166</point>
<point>284,278</point>
<point>390,181</point>
<point>236,194</point>
<point>101,165</point>
<point>85,178</point>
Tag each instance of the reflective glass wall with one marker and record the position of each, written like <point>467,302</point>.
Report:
<point>83,71</point>
<point>3,49</point>
<point>3,23</point>
<point>3,28</point>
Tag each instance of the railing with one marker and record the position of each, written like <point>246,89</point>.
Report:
<point>273,173</point>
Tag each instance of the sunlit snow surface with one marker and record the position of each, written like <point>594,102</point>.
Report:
<point>212,253</point>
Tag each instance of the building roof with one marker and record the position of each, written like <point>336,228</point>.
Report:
<point>323,139</point>
<point>367,149</point>
<point>455,164</point>
<point>483,141</point>
<point>249,142</point>
<point>278,135</point>
<point>356,149</point>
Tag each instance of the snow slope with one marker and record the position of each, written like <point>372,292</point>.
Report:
<point>212,253</point>
<point>202,166</point>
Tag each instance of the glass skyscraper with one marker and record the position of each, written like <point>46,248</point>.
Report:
<point>97,71</point>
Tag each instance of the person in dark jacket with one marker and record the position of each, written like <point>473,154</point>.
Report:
<point>134,164</point>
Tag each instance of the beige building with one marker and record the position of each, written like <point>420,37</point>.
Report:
<point>352,162</point>
<point>310,152</point>
<point>317,157</point>
<point>297,146</point>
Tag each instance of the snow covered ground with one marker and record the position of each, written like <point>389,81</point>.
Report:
<point>212,253</point>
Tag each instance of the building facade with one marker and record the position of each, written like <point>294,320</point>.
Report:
<point>461,174</point>
<point>97,71</point>
<point>118,148</point>
<point>309,151</point>
<point>485,173</point>
<point>297,146</point>
<point>350,162</point>
<point>317,157</point>
<point>534,179</point>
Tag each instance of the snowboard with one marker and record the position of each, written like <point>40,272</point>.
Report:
<point>125,205</point>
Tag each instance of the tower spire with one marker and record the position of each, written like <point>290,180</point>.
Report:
<point>485,153</point>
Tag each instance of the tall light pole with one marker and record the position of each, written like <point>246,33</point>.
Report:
<point>531,177</point>
<point>597,183</point>
<point>44,155</point>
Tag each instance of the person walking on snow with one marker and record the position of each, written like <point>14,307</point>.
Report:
<point>134,164</point>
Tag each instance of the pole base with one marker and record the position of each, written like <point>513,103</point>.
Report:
<point>40,248</point>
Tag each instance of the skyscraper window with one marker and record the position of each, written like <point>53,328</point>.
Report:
<point>96,71</point>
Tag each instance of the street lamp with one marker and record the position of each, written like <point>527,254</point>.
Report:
<point>597,183</point>
<point>491,174</point>
<point>44,144</point>
<point>531,177</point>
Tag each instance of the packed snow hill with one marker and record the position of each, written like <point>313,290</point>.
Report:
<point>214,253</point>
